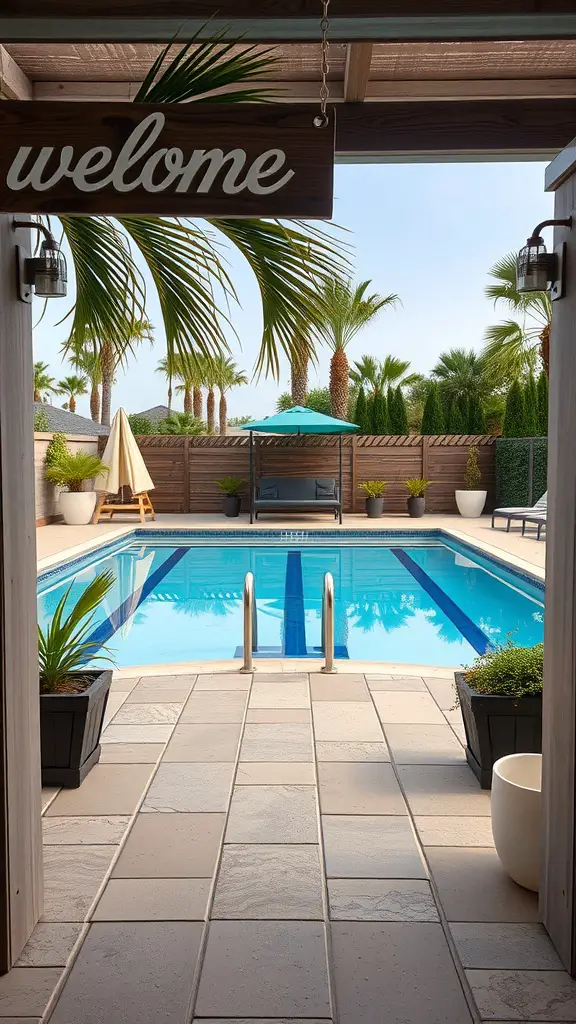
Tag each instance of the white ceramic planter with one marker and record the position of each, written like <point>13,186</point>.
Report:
<point>77,507</point>
<point>471,503</point>
<point>516,800</point>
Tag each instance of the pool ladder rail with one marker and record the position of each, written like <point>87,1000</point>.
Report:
<point>251,624</point>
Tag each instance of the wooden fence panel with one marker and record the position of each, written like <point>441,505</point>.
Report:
<point>394,464</point>
<point>446,465</point>
<point>164,458</point>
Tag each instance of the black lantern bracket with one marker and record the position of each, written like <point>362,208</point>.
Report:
<point>538,270</point>
<point>46,273</point>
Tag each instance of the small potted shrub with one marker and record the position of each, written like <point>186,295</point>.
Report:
<point>471,500</point>
<point>416,501</point>
<point>374,491</point>
<point>71,471</point>
<point>231,486</point>
<point>501,701</point>
<point>72,698</point>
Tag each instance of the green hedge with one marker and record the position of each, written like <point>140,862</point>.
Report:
<point>513,470</point>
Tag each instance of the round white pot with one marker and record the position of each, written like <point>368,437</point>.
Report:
<point>516,800</point>
<point>77,507</point>
<point>471,503</point>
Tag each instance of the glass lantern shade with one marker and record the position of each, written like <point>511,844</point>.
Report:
<point>534,268</point>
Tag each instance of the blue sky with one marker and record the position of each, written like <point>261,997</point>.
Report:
<point>428,232</point>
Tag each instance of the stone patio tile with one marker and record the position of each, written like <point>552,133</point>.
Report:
<point>153,899</point>
<point>524,995</point>
<point>406,708</point>
<point>406,968</point>
<point>203,743</point>
<point>107,789</point>
<point>275,773</point>
<point>473,886</point>
<point>278,882</point>
<point>258,716</point>
<point>223,681</point>
<point>168,682</point>
<point>219,707</point>
<point>505,946</point>
<point>424,744</point>
<point>72,877</point>
<point>119,966</point>
<point>137,734</point>
<point>370,847</point>
<point>380,899</point>
<point>25,991</point>
<point>449,790</point>
<point>356,750</point>
<point>338,688</point>
<point>454,831</point>
<point>130,753</point>
<point>145,693</point>
<point>281,677</point>
<point>273,814</point>
<point>113,704</point>
<point>171,846</point>
<point>190,787</point>
<point>279,695</point>
<point>123,685</point>
<point>277,743</point>
<point>443,691</point>
<point>49,945</point>
<point>359,788</point>
<point>84,830</point>
<point>346,720</point>
<point>291,979</point>
<point>406,683</point>
<point>148,714</point>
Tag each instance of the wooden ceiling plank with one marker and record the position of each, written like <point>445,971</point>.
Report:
<point>14,85</point>
<point>288,92</point>
<point>357,73</point>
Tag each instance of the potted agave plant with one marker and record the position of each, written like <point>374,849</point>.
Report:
<point>71,470</point>
<point>231,486</point>
<point>374,491</point>
<point>416,502</point>
<point>72,698</point>
<point>471,500</point>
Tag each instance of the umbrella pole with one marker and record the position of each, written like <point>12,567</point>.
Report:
<point>340,476</point>
<point>251,477</point>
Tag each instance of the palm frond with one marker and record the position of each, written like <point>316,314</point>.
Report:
<point>509,353</point>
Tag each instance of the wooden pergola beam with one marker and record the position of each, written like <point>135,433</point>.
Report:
<point>14,84</point>
<point>357,72</point>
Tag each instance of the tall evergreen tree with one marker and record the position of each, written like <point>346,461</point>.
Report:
<point>379,414</point>
<point>456,422</point>
<point>361,413</point>
<point>515,416</point>
<point>476,417</point>
<point>391,412</point>
<point>531,407</point>
<point>370,414</point>
<point>542,389</point>
<point>433,417</point>
<point>401,412</point>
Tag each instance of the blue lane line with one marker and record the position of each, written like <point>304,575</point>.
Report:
<point>470,631</point>
<point>105,630</point>
<point>294,624</point>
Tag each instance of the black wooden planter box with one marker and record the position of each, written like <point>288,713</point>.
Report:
<point>496,726</point>
<point>70,728</point>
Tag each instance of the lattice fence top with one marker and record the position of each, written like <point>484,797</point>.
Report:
<point>313,440</point>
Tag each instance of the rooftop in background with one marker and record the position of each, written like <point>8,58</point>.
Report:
<point>60,420</point>
<point>155,414</point>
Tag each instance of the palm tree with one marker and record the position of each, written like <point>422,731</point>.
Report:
<point>43,382</point>
<point>227,375</point>
<point>167,367</point>
<point>210,381</point>
<point>72,387</point>
<point>513,346</point>
<point>462,373</point>
<point>181,423</point>
<point>112,352</point>
<point>191,372</point>
<point>345,308</point>
<point>299,372</point>
<point>377,375</point>
<point>183,257</point>
<point>87,360</point>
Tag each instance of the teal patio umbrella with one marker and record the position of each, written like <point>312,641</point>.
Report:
<point>299,420</point>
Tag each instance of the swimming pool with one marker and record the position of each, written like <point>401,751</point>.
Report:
<point>419,598</point>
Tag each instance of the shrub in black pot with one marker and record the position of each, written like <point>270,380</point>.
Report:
<point>501,701</point>
<point>374,491</point>
<point>231,486</point>
<point>73,699</point>
<point>416,502</point>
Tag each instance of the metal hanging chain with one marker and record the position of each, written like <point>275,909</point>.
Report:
<point>322,120</point>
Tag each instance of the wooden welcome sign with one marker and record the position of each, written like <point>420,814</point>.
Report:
<point>198,160</point>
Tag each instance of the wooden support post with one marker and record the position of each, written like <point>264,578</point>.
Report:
<point>20,823</point>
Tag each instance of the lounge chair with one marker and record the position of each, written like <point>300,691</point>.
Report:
<point>522,512</point>
<point>538,519</point>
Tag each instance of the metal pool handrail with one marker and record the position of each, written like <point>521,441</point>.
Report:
<point>328,623</point>
<point>250,623</point>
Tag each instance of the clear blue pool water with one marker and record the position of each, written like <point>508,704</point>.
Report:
<point>422,600</point>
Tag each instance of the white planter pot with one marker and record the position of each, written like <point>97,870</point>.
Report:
<point>516,800</point>
<point>471,503</point>
<point>77,507</point>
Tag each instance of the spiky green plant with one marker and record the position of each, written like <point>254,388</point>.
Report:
<point>373,488</point>
<point>231,485</point>
<point>416,487</point>
<point>64,646</point>
<point>72,469</point>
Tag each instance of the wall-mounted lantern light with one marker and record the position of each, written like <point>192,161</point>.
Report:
<point>46,274</point>
<point>538,270</point>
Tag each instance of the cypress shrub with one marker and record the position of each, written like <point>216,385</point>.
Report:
<point>379,414</point>
<point>531,407</point>
<point>542,391</point>
<point>398,418</point>
<point>432,418</point>
<point>361,413</point>
<point>515,416</point>
<point>457,422</point>
<point>476,418</point>
<point>57,448</point>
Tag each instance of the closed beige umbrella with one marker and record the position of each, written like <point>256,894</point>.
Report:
<point>125,467</point>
